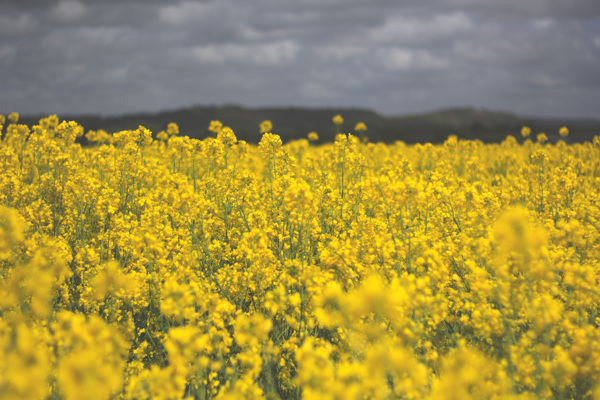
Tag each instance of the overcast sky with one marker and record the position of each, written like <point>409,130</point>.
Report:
<point>532,57</point>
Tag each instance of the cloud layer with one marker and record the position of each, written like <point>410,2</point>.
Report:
<point>539,57</point>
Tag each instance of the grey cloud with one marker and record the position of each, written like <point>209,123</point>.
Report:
<point>399,28</point>
<point>536,57</point>
<point>185,12</point>
<point>14,24</point>
<point>7,54</point>
<point>276,53</point>
<point>578,9</point>
<point>68,11</point>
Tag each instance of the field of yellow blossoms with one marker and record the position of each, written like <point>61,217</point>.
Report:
<point>164,267</point>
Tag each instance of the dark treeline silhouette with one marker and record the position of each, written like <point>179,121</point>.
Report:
<point>294,123</point>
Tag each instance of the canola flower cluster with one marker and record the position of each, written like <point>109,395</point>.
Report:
<point>164,267</point>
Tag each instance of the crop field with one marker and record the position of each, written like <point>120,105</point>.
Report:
<point>155,266</point>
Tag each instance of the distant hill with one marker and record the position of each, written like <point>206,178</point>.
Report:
<point>293,123</point>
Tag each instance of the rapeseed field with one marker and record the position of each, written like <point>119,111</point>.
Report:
<point>161,267</point>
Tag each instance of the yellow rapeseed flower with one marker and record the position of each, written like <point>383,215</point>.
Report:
<point>172,129</point>
<point>215,126</point>
<point>13,117</point>
<point>360,127</point>
<point>266,126</point>
<point>217,268</point>
<point>542,138</point>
